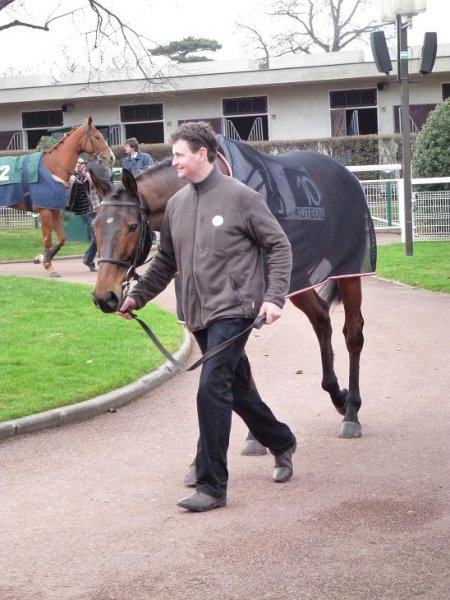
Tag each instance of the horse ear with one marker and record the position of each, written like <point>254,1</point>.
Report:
<point>129,182</point>
<point>101,186</point>
<point>89,121</point>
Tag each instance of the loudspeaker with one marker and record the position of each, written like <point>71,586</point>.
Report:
<point>380,52</point>
<point>429,50</point>
<point>382,85</point>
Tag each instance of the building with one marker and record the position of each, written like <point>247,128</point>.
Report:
<point>294,97</point>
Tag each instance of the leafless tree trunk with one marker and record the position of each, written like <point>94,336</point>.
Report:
<point>315,26</point>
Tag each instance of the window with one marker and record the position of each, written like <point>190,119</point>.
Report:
<point>353,112</point>
<point>418,114</point>
<point>353,98</point>
<point>144,122</point>
<point>42,119</point>
<point>445,91</point>
<point>244,106</point>
<point>141,112</point>
<point>246,118</point>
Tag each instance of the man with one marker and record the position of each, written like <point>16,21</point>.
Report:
<point>135,161</point>
<point>214,232</point>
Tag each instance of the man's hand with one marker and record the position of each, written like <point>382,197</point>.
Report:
<point>271,310</point>
<point>128,305</point>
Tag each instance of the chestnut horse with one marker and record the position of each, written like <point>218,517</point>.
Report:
<point>122,225</point>
<point>59,161</point>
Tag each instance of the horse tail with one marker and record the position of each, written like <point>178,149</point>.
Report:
<point>330,293</point>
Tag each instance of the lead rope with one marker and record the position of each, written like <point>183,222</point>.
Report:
<point>257,324</point>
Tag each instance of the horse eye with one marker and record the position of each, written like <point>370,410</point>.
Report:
<point>132,227</point>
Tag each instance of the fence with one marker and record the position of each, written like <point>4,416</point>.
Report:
<point>385,197</point>
<point>17,219</point>
<point>431,209</point>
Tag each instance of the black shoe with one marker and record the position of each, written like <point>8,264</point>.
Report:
<point>283,469</point>
<point>91,267</point>
<point>200,502</point>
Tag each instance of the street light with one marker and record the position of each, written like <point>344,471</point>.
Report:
<point>401,12</point>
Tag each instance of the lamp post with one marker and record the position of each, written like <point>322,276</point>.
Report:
<point>403,77</point>
<point>401,12</point>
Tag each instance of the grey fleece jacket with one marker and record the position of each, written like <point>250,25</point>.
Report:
<point>214,234</point>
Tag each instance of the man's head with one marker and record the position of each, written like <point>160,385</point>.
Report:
<point>194,148</point>
<point>131,145</point>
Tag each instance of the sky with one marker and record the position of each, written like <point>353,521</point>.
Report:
<point>26,51</point>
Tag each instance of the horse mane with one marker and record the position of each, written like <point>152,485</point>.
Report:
<point>164,164</point>
<point>61,139</point>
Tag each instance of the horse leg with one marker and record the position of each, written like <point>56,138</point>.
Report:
<point>51,220</point>
<point>318,313</point>
<point>350,289</point>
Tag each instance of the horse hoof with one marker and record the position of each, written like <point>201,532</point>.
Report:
<point>37,260</point>
<point>349,430</point>
<point>54,274</point>
<point>253,448</point>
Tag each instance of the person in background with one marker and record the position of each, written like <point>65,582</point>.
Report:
<point>135,161</point>
<point>84,201</point>
<point>224,290</point>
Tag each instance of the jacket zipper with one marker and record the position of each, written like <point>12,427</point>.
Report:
<point>193,253</point>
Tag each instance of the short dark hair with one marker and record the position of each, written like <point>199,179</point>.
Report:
<point>133,143</point>
<point>198,135</point>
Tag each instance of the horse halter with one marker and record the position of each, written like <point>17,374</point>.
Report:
<point>144,245</point>
<point>90,138</point>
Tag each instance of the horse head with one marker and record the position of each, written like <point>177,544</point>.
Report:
<point>94,144</point>
<point>124,239</point>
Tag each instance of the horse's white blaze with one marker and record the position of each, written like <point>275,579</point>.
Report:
<point>109,220</point>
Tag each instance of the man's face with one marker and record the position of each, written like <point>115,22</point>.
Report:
<point>186,162</point>
<point>128,149</point>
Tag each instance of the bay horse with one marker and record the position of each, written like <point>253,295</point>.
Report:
<point>328,199</point>
<point>48,194</point>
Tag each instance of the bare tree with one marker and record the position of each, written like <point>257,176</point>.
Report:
<point>102,30</point>
<point>315,25</point>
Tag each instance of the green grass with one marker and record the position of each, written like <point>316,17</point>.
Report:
<point>22,244</point>
<point>58,349</point>
<point>428,268</point>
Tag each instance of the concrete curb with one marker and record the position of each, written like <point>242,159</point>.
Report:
<point>96,406</point>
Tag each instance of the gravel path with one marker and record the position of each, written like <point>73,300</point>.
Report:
<point>88,510</point>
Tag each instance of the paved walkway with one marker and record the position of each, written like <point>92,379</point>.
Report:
<point>88,510</point>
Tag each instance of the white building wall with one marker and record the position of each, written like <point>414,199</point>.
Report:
<point>297,88</point>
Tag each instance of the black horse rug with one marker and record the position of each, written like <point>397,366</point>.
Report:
<point>320,205</point>
<point>25,179</point>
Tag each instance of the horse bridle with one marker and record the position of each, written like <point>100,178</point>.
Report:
<point>144,245</point>
<point>88,136</point>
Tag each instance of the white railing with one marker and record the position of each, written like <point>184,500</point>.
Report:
<point>385,197</point>
<point>229,130</point>
<point>256,132</point>
<point>15,143</point>
<point>114,135</point>
<point>17,219</point>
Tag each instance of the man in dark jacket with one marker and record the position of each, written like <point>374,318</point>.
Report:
<point>135,161</point>
<point>214,233</point>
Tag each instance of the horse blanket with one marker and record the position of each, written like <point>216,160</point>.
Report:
<point>319,204</point>
<point>25,179</point>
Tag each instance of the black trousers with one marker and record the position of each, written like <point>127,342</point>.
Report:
<point>226,384</point>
